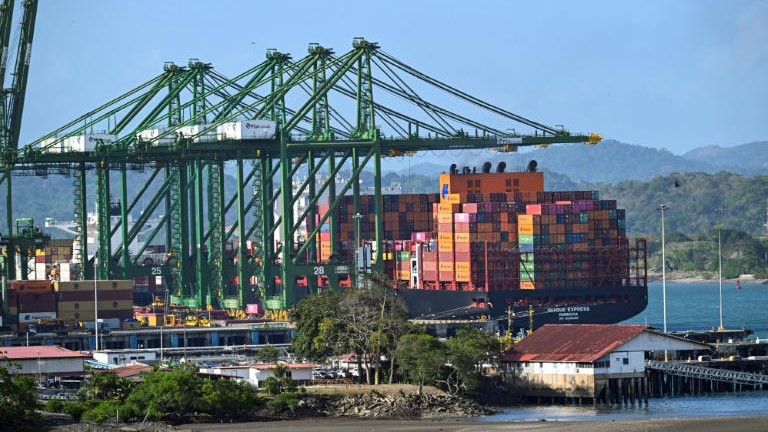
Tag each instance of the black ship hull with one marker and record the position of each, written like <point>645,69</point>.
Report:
<point>578,306</point>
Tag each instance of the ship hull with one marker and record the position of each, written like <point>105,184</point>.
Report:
<point>578,306</point>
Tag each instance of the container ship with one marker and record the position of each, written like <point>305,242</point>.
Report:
<point>496,245</point>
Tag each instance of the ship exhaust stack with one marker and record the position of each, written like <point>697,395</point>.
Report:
<point>532,165</point>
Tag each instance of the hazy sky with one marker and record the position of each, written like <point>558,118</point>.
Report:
<point>668,74</point>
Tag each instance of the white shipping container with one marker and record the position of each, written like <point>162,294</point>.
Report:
<point>40,271</point>
<point>196,131</point>
<point>53,149</point>
<point>158,137</point>
<point>247,129</point>
<point>33,317</point>
<point>65,272</point>
<point>82,143</point>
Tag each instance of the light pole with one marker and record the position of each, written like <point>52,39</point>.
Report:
<point>719,212</point>
<point>96,301</point>
<point>358,254</point>
<point>662,208</point>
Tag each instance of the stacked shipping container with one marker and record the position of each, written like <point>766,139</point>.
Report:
<point>501,232</point>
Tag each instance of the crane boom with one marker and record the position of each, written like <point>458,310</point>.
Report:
<point>21,71</point>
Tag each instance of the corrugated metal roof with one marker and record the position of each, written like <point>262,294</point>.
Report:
<point>572,342</point>
<point>130,370</point>
<point>35,352</point>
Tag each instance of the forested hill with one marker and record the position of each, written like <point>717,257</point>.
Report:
<point>692,199</point>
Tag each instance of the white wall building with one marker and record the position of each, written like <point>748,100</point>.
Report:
<point>588,360</point>
<point>42,361</point>
<point>256,374</point>
<point>124,357</point>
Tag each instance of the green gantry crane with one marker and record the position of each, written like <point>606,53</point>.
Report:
<point>283,129</point>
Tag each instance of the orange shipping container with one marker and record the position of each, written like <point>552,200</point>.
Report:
<point>527,285</point>
<point>444,218</point>
<point>525,219</point>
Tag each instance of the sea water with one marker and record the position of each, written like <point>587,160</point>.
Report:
<point>690,306</point>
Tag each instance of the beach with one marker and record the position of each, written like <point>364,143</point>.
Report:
<point>723,424</point>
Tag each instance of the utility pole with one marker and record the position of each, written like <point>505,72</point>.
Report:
<point>719,212</point>
<point>662,208</point>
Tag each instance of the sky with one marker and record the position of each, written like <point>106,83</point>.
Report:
<point>665,74</point>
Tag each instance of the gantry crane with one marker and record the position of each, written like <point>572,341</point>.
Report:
<point>233,244</point>
<point>11,109</point>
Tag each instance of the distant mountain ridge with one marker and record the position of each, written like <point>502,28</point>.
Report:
<point>612,161</point>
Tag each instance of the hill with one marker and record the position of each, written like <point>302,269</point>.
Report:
<point>747,159</point>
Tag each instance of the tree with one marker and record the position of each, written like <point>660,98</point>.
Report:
<point>168,395</point>
<point>106,385</point>
<point>18,400</point>
<point>366,322</point>
<point>268,354</point>
<point>229,399</point>
<point>466,353</point>
<point>420,356</point>
<point>308,315</point>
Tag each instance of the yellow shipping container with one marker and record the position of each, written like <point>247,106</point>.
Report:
<point>524,229</point>
<point>447,208</point>
<point>462,276</point>
<point>444,217</point>
<point>525,219</point>
<point>527,285</point>
<point>461,237</point>
<point>462,266</point>
<point>446,266</point>
<point>444,237</point>
<point>445,247</point>
<point>451,199</point>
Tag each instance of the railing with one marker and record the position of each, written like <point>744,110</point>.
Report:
<point>714,374</point>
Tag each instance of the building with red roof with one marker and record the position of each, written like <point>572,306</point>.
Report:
<point>43,361</point>
<point>588,360</point>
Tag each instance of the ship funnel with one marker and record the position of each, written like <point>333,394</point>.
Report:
<point>487,167</point>
<point>453,169</point>
<point>532,165</point>
<point>501,166</point>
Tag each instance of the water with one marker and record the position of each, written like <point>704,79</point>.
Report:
<point>720,405</point>
<point>696,306</point>
<point>690,306</point>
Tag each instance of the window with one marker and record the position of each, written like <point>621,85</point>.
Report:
<point>114,304</point>
<point>469,183</point>
<point>77,305</point>
<point>626,360</point>
<point>516,182</point>
<point>477,183</point>
<point>508,182</point>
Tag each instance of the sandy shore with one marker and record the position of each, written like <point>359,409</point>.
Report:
<point>724,424</point>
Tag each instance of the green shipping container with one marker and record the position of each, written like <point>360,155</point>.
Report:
<point>525,239</point>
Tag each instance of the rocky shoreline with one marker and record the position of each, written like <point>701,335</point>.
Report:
<point>359,406</point>
<point>699,277</point>
<point>375,405</point>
